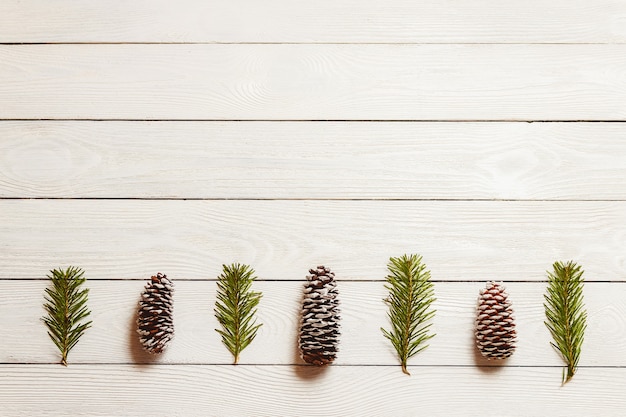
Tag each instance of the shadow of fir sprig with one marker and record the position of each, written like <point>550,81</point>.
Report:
<point>66,305</point>
<point>411,294</point>
<point>236,306</point>
<point>566,317</point>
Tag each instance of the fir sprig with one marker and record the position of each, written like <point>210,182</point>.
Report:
<point>66,305</point>
<point>236,306</point>
<point>566,317</point>
<point>411,294</point>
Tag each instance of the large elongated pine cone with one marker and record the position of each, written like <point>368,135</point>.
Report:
<point>495,324</point>
<point>319,329</point>
<point>155,323</point>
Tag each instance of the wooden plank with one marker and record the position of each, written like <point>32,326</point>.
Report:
<point>313,82</point>
<point>460,240</point>
<point>320,21</point>
<point>112,339</point>
<point>313,160</point>
<point>286,391</point>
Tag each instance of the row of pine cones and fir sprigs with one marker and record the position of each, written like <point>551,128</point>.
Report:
<point>410,314</point>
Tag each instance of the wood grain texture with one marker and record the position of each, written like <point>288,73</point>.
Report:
<point>334,132</point>
<point>313,160</point>
<point>460,240</point>
<point>350,21</point>
<point>313,82</point>
<point>113,340</point>
<point>252,390</point>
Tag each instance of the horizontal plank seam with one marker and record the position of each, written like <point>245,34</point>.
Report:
<point>299,364</point>
<point>339,279</point>
<point>321,120</point>
<point>301,43</point>
<point>514,200</point>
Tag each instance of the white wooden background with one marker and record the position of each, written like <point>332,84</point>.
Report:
<point>174,136</point>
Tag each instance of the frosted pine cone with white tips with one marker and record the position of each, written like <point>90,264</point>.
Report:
<point>155,323</point>
<point>495,325</point>
<point>319,330</point>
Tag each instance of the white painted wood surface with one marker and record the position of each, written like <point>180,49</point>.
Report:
<point>460,240</point>
<point>313,82</point>
<point>334,160</point>
<point>289,391</point>
<point>298,21</point>
<point>298,133</point>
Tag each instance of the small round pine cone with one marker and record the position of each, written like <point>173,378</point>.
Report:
<point>495,325</point>
<point>319,327</point>
<point>155,323</point>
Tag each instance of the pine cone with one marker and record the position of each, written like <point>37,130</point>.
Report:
<point>319,330</point>
<point>154,322</point>
<point>495,324</point>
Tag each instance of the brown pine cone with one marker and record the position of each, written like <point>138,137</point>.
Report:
<point>319,330</point>
<point>155,323</point>
<point>495,325</point>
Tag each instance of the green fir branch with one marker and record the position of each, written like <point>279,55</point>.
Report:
<point>566,317</point>
<point>411,294</point>
<point>235,308</point>
<point>66,305</point>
